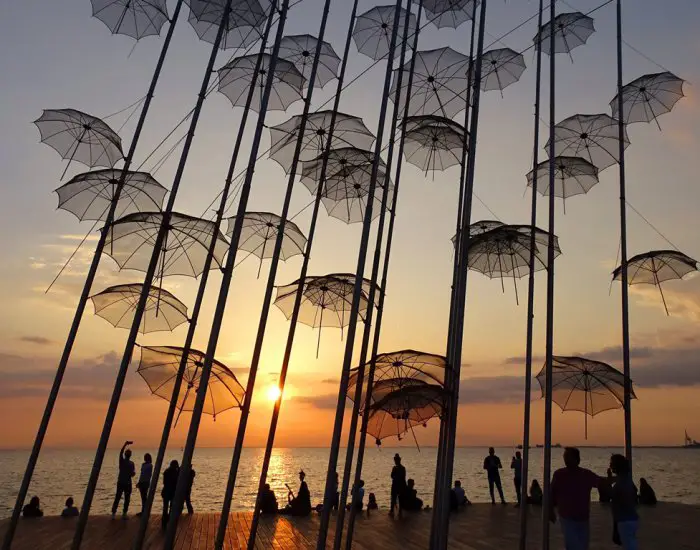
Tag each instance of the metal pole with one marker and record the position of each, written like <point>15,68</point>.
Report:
<point>385,275</point>
<point>531,289</point>
<point>623,246</point>
<point>357,292</point>
<point>347,470</point>
<point>183,479</point>
<point>302,276</point>
<point>172,407</point>
<point>549,351</point>
<point>85,295</point>
<point>150,273</point>
<point>267,302</point>
<point>462,279</point>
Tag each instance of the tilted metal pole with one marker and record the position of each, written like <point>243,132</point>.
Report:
<point>531,292</point>
<point>357,293</point>
<point>549,349</point>
<point>300,291</point>
<point>186,465</point>
<point>172,407</point>
<point>85,295</point>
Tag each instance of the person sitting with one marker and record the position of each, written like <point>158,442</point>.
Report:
<point>70,511</point>
<point>458,497</point>
<point>33,509</point>
<point>647,496</point>
<point>371,503</point>
<point>268,501</point>
<point>299,505</point>
<point>410,501</point>
<point>535,497</point>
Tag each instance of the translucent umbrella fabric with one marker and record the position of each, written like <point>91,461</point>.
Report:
<point>300,50</point>
<point>117,305</point>
<point>259,232</point>
<point>349,131</point>
<point>449,13</point>
<point>591,137</point>
<point>131,239</point>
<point>572,176</point>
<point>433,143</point>
<point>134,18</point>
<point>501,68</point>
<point>80,137</point>
<point>89,195</point>
<point>159,366</point>
<point>480,227</point>
<point>243,26</point>
<point>373,28</point>
<point>648,97</point>
<point>570,31</point>
<point>338,159</point>
<point>236,77</point>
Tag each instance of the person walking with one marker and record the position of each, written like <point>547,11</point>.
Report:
<point>492,465</point>
<point>144,481</point>
<point>517,466</point>
<point>398,484</point>
<point>127,470</point>
<point>624,502</point>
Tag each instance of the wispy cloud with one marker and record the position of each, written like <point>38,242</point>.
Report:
<point>38,340</point>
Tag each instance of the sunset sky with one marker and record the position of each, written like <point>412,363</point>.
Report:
<point>58,56</point>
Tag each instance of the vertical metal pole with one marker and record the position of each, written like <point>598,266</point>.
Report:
<point>302,276</point>
<point>623,246</point>
<point>172,407</point>
<point>150,273</point>
<point>531,288</point>
<point>85,295</point>
<point>352,431</point>
<point>357,293</point>
<point>183,479</point>
<point>549,350</point>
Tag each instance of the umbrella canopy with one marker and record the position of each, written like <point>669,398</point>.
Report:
<point>366,284</point>
<point>572,176</point>
<point>648,97</point>
<point>433,143</point>
<point>585,385</point>
<point>656,267</point>
<point>349,131</point>
<point>440,82</point>
<point>134,18</point>
<point>449,13</point>
<point>338,159</point>
<point>131,238</point>
<point>300,50</point>
<point>591,137</point>
<point>159,366</point>
<point>480,227</point>
<point>89,195</point>
<point>373,29</point>
<point>236,77</point>
<point>117,305</point>
<point>570,31</point>
<point>243,25</point>
<point>501,68</point>
<point>80,137</point>
<point>259,232</point>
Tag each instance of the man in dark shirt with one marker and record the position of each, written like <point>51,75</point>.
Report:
<point>571,496</point>
<point>127,470</point>
<point>517,466</point>
<point>492,465</point>
<point>398,483</point>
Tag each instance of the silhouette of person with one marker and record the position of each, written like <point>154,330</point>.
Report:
<point>336,498</point>
<point>127,470</point>
<point>536,494</point>
<point>492,465</point>
<point>33,509</point>
<point>268,500</point>
<point>517,466</point>
<point>409,501</point>
<point>647,496</point>
<point>371,503</point>
<point>624,502</point>
<point>458,497</point>
<point>170,476</point>
<point>188,498</point>
<point>144,481</point>
<point>398,483</point>
<point>299,505</point>
<point>605,488</point>
<point>358,496</point>
<point>70,511</point>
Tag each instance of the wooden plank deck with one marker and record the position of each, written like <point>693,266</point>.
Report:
<point>480,527</point>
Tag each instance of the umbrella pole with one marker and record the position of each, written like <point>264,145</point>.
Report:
<point>143,525</point>
<point>302,277</point>
<point>391,206</point>
<point>75,150</point>
<point>623,246</point>
<point>320,327</point>
<point>357,293</point>
<point>663,299</point>
<point>85,295</point>
<point>549,344</point>
<point>527,405</point>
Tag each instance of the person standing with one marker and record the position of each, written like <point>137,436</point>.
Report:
<point>492,465</point>
<point>571,496</point>
<point>145,480</point>
<point>170,476</point>
<point>188,498</point>
<point>517,466</point>
<point>398,483</point>
<point>127,470</point>
<point>624,502</point>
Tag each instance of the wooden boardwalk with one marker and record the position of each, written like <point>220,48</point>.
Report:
<point>480,527</point>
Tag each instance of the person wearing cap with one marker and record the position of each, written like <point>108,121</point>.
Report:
<point>398,483</point>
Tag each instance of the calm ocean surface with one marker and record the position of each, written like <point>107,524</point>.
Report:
<point>674,474</point>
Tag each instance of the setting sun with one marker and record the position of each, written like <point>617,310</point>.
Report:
<point>273,393</point>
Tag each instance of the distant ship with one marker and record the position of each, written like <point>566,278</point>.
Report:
<point>555,446</point>
<point>690,443</point>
